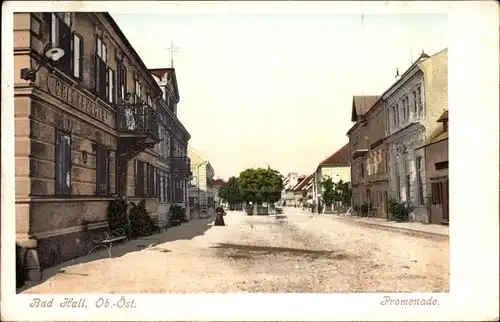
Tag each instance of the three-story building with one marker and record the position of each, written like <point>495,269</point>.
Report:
<point>414,103</point>
<point>359,143</point>
<point>86,124</point>
<point>173,163</point>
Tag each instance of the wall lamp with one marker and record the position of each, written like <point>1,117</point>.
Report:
<point>49,54</point>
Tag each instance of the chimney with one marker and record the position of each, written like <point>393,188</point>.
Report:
<point>397,75</point>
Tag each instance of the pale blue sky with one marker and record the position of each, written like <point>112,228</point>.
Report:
<point>277,89</point>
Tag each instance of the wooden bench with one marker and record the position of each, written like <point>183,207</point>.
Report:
<point>107,238</point>
<point>161,224</point>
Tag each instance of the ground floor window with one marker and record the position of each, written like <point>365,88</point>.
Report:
<point>63,163</point>
<point>437,192</point>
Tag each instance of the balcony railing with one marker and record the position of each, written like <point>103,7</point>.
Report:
<point>138,119</point>
<point>180,164</point>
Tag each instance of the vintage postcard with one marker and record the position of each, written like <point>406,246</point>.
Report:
<point>249,160</point>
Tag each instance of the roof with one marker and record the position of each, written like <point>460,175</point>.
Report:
<point>128,44</point>
<point>362,104</point>
<point>302,184</point>
<point>443,117</point>
<point>168,72</point>
<point>218,182</point>
<point>340,158</point>
<point>438,138</point>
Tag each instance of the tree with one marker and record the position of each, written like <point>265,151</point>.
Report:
<point>342,193</point>
<point>329,194</point>
<point>230,192</point>
<point>259,185</point>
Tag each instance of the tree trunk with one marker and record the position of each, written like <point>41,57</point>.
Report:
<point>255,211</point>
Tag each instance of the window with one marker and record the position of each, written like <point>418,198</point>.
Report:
<point>419,98</point>
<point>415,102</point>
<point>420,176</point>
<point>62,37</point>
<point>63,163</point>
<point>394,114</point>
<point>150,102</point>
<point>121,79</point>
<point>111,85</point>
<point>102,70</point>
<point>101,171</point>
<point>77,56</point>
<point>152,181</point>
<point>437,191</point>
<point>403,102</point>
<point>137,91</point>
<point>139,178</point>
<point>362,170</point>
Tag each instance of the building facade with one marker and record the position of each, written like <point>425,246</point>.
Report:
<point>217,184</point>
<point>359,143</point>
<point>377,161</point>
<point>173,164</point>
<point>287,196</point>
<point>436,167</point>
<point>86,125</point>
<point>414,102</point>
<point>201,191</point>
<point>336,166</point>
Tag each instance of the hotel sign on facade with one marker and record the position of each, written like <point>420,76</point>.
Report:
<point>77,99</point>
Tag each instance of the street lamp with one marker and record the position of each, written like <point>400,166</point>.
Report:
<point>49,54</point>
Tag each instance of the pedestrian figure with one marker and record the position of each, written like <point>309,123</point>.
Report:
<point>219,217</point>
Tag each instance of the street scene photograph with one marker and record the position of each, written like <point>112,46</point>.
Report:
<point>240,153</point>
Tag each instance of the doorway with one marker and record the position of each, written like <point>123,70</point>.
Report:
<point>445,202</point>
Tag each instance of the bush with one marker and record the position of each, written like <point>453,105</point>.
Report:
<point>178,214</point>
<point>279,210</point>
<point>117,215</point>
<point>141,223</point>
<point>400,211</point>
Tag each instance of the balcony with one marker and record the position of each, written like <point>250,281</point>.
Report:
<point>138,121</point>
<point>137,127</point>
<point>180,165</point>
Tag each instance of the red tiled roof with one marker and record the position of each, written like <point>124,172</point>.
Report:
<point>218,182</point>
<point>361,105</point>
<point>160,72</point>
<point>341,158</point>
<point>302,184</point>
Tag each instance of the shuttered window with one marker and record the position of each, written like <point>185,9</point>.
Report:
<point>121,73</point>
<point>77,56</point>
<point>139,178</point>
<point>101,69</point>
<point>101,171</point>
<point>63,163</point>
<point>65,43</point>
<point>111,86</point>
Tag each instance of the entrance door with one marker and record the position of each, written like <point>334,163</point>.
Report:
<point>444,201</point>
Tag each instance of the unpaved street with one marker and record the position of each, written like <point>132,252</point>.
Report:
<point>302,253</point>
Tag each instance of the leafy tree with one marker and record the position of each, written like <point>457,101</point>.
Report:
<point>230,192</point>
<point>259,185</point>
<point>329,194</point>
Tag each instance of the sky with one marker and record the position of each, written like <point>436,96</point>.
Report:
<point>258,90</point>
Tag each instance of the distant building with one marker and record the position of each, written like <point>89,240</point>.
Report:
<point>201,190</point>
<point>287,196</point>
<point>217,184</point>
<point>336,166</point>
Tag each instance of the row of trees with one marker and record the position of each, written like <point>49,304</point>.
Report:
<point>253,185</point>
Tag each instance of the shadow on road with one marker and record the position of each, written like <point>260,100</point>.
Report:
<point>236,251</point>
<point>187,231</point>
